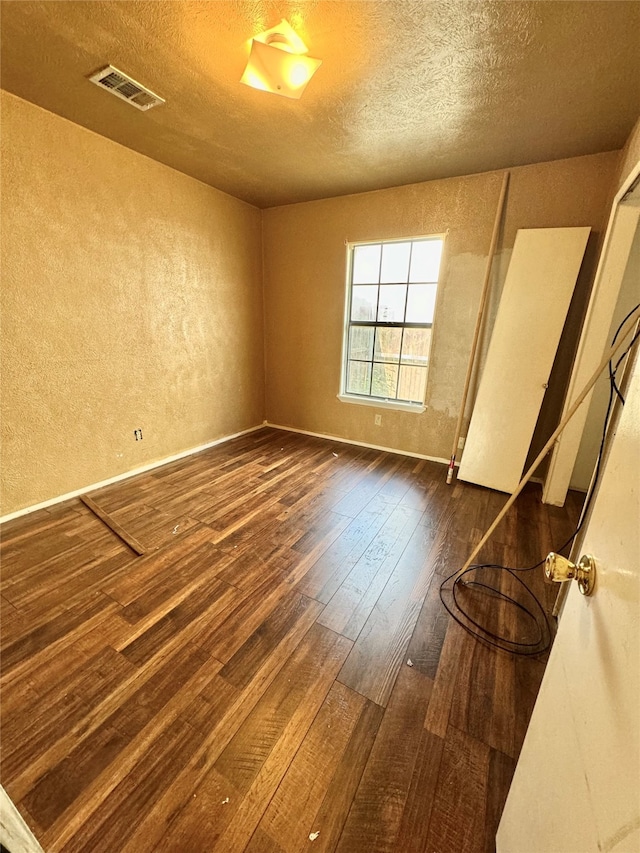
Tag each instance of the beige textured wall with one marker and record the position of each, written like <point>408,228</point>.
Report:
<point>131,297</point>
<point>304,269</point>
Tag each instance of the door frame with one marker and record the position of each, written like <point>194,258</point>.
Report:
<point>15,835</point>
<point>618,239</point>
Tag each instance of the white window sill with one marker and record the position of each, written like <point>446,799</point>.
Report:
<point>416,408</point>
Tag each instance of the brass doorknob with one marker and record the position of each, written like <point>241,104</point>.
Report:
<point>557,568</point>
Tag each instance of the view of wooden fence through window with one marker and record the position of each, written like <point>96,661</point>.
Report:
<point>392,301</point>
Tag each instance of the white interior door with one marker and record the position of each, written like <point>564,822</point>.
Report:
<point>575,789</point>
<point>540,281</point>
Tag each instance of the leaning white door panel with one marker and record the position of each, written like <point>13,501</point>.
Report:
<point>538,289</point>
<point>575,788</point>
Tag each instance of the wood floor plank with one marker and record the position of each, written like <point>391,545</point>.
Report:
<point>53,541</point>
<point>151,570</point>
<point>416,815</point>
<point>325,576</point>
<point>223,639</point>
<point>242,759</point>
<point>428,636</point>
<point>60,786</point>
<point>95,793</point>
<point>40,597</point>
<point>293,612</point>
<point>380,649</point>
<point>50,715</point>
<point>249,566</point>
<point>302,564</point>
<point>57,790</point>
<point>210,704</point>
<point>250,532</point>
<point>439,709</point>
<point>53,675</point>
<point>21,742</point>
<point>168,589</point>
<point>333,812</point>
<point>25,527</point>
<point>15,696</point>
<point>130,491</point>
<point>212,597</point>
<point>371,485</point>
<point>376,813</point>
<point>528,677</point>
<point>203,818</point>
<point>256,757</point>
<point>482,701</point>
<point>11,620</point>
<point>64,626</point>
<point>102,673</point>
<point>349,608</point>
<point>155,526</point>
<point>316,532</point>
<point>460,802</point>
<point>262,788</point>
<point>109,824</point>
<point>245,508</point>
<point>100,714</point>
<point>501,770</point>
<point>483,697</point>
<point>263,842</point>
<point>290,816</point>
<point>221,728</point>
<point>42,573</point>
<point>51,585</point>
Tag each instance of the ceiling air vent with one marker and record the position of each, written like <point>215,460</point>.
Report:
<point>125,87</point>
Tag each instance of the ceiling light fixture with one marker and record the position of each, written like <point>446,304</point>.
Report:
<point>278,62</point>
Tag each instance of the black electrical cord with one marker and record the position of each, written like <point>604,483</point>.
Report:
<point>537,615</point>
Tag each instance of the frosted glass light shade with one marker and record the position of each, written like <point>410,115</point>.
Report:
<point>278,63</point>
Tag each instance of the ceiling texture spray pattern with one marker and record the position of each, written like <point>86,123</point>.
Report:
<point>408,90</point>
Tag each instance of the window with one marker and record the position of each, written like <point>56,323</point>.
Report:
<point>390,307</point>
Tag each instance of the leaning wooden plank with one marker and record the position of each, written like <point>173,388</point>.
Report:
<point>112,524</point>
<point>476,332</point>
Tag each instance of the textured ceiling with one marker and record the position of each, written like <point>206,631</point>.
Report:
<point>408,90</point>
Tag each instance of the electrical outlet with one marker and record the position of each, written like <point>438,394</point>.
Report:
<point>377,420</point>
<point>138,434</point>
<point>461,441</point>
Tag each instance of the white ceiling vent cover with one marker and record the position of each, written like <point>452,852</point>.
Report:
<point>126,87</point>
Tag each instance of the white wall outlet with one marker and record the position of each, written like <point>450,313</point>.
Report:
<point>377,420</point>
<point>461,441</point>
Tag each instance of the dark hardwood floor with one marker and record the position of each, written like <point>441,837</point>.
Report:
<point>245,682</point>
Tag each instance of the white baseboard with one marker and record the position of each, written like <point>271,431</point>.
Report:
<point>360,443</point>
<point>93,486</point>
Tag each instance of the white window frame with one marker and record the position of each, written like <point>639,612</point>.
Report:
<point>367,400</point>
